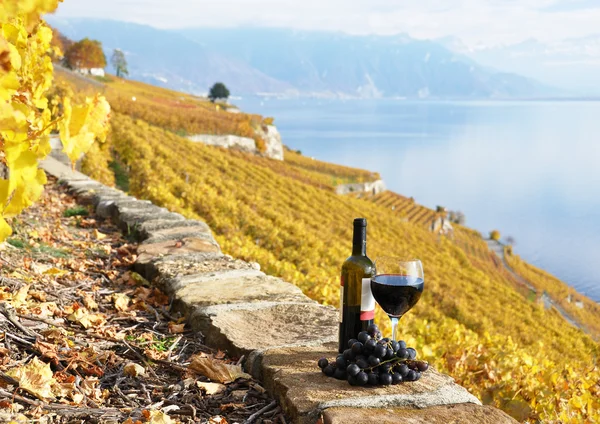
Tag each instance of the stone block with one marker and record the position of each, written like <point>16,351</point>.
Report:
<point>177,233</point>
<point>237,290</point>
<point>128,219</point>
<point>445,414</point>
<point>148,227</point>
<point>185,264</point>
<point>292,375</point>
<point>247,327</point>
<point>147,252</point>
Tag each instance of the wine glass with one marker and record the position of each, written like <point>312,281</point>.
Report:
<point>397,286</point>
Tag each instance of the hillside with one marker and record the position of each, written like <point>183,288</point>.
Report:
<point>288,62</point>
<point>474,320</point>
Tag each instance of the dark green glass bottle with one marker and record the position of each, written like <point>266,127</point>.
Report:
<point>357,305</point>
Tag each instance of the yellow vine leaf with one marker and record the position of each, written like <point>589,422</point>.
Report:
<point>82,124</point>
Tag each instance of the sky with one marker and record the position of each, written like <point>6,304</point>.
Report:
<point>477,23</point>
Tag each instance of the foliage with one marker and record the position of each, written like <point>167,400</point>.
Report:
<point>495,235</point>
<point>218,91</point>
<point>85,54</point>
<point>405,207</point>
<point>119,62</point>
<point>25,114</point>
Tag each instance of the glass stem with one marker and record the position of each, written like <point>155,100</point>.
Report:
<point>394,327</point>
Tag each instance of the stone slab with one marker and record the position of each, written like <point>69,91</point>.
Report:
<point>219,276</point>
<point>246,327</point>
<point>128,218</point>
<point>148,227</point>
<point>182,265</point>
<point>147,252</point>
<point>177,233</point>
<point>237,290</point>
<point>61,171</point>
<point>446,414</point>
<point>292,375</point>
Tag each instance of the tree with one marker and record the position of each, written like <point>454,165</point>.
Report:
<point>495,235</point>
<point>119,63</point>
<point>85,54</point>
<point>218,91</point>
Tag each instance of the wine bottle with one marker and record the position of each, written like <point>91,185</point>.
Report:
<point>357,305</point>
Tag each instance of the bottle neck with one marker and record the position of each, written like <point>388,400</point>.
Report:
<point>359,241</point>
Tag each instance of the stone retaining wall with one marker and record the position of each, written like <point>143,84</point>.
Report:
<point>281,332</point>
<point>372,187</point>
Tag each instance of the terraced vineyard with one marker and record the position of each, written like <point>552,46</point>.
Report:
<point>404,207</point>
<point>472,321</point>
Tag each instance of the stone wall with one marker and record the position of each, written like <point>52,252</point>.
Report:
<point>280,332</point>
<point>270,134</point>
<point>373,187</point>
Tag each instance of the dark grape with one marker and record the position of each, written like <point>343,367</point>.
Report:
<point>351,342</point>
<point>362,363</point>
<point>402,353</point>
<point>422,366</point>
<point>373,378</point>
<point>403,370</point>
<point>373,360</point>
<point>357,348</point>
<point>389,353</point>
<point>363,336</point>
<point>385,379</point>
<point>411,376</point>
<point>378,335</point>
<point>352,380</point>
<point>417,376</point>
<point>412,354</point>
<point>402,344</point>
<point>396,378</point>
<point>380,351</point>
<point>385,340</point>
<point>372,330</point>
<point>348,355</point>
<point>340,362</point>
<point>329,370</point>
<point>370,346</point>
<point>385,367</point>
<point>395,346</point>
<point>323,362</point>
<point>362,378</point>
<point>352,370</point>
<point>340,374</point>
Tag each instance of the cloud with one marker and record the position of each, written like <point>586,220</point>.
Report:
<point>487,22</point>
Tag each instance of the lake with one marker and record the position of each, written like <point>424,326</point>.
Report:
<point>529,169</point>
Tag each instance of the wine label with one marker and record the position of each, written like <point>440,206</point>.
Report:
<point>367,301</point>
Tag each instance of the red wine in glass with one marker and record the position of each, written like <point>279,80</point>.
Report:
<point>396,294</point>
<point>397,286</point>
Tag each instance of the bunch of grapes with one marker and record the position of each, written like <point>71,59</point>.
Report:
<point>373,360</point>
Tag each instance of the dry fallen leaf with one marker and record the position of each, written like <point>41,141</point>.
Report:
<point>157,417</point>
<point>211,388</point>
<point>133,370</point>
<point>217,370</point>
<point>87,320</point>
<point>56,272</point>
<point>20,296</point>
<point>121,301</point>
<point>88,300</point>
<point>35,378</point>
<point>217,419</point>
<point>176,328</point>
<point>98,235</point>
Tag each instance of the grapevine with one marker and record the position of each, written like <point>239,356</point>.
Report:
<point>26,74</point>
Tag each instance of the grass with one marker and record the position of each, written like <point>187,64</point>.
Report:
<point>121,177</point>
<point>16,243</point>
<point>44,249</point>
<point>76,211</point>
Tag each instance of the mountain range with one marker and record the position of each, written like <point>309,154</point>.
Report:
<point>299,63</point>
